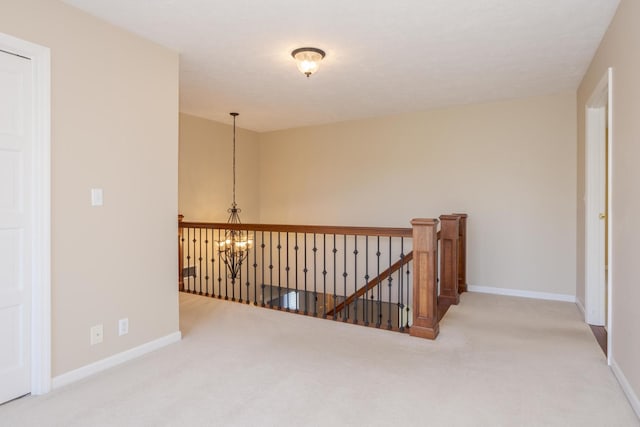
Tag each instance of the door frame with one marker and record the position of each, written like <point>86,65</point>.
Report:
<point>41,209</point>
<point>598,123</point>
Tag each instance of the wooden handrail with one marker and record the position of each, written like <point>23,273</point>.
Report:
<point>372,283</point>
<point>319,229</point>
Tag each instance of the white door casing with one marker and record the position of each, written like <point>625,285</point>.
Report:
<point>15,226</point>
<point>37,205</point>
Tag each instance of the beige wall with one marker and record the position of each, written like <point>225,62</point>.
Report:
<point>205,170</point>
<point>619,49</point>
<point>115,126</point>
<point>510,165</point>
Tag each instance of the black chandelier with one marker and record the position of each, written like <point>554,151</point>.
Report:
<point>234,249</point>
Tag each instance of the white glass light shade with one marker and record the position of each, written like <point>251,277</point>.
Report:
<point>308,59</point>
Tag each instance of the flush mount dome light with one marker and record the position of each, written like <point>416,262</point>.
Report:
<point>308,59</point>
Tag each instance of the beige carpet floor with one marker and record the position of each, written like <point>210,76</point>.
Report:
<point>499,361</point>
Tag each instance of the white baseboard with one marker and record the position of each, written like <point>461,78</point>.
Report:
<point>521,293</point>
<point>116,359</point>
<point>626,387</point>
<point>580,306</point>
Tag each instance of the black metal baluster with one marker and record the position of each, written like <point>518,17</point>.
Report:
<point>200,259</point>
<point>187,279</point>
<point>407,307</point>
<point>219,269</point>
<point>196,273</point>
<point>378,286</point>
<point>195,270</point>
<point>270,269</point>
<point>226,279</point>
<point>287,271</point>
<point>181,253</point>
<point>255,272</point>
<point>366,280</point>
<point>247,284</point>
<point>193,274</point>
<point>237,279</point>
<point>213,265</point>
<point>188,261</point>
<point>305,271</point>
<point>296,248</point>
<point>345,310</point>
<point>401,287</point>
<point>335,277</point>
<point>206,257</point>
<point>355,278</point>
<point>372,307</point>
<point>389,326</point>
<point>315,275</point>
<point>279,247</point>
<point>400,306</point>
<point>324,276</point>
<point>234,274</point>
<point>226,276</point>
<point>262,246</point>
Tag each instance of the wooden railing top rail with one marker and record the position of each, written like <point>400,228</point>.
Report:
<point>318,229</point>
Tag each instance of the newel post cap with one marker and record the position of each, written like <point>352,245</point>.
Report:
<point>424,221</point>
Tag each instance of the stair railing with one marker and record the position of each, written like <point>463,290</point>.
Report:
<point>372,276</point>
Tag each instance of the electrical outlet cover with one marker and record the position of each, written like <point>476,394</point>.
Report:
<point>96,334</point>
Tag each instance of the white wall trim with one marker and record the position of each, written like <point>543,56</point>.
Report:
<point>521,293</point>
<point>116,359</point>
<point>626,387</point>
<point>580,306</point>
<point>610,249</point>
<point>40,57</point>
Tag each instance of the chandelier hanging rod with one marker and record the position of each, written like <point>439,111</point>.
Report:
<point>234,205</point>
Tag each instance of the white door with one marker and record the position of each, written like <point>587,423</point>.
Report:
<point>598,120</point>
<point>15,225</point>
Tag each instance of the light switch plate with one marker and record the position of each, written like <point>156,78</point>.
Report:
<point>123,326</point>
<point>96,197</point>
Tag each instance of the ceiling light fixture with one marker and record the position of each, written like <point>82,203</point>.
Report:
<point>308,59</point>
<point>234,249</point>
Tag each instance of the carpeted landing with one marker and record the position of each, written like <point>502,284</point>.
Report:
<point>499,361</point>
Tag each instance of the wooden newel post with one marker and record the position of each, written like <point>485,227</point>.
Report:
<point>462,253</point>
<point>449,233</point>
<point>180,255</point>
<point>425,276</point>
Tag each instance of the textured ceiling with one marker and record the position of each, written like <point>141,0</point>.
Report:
<point>383,57</point>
